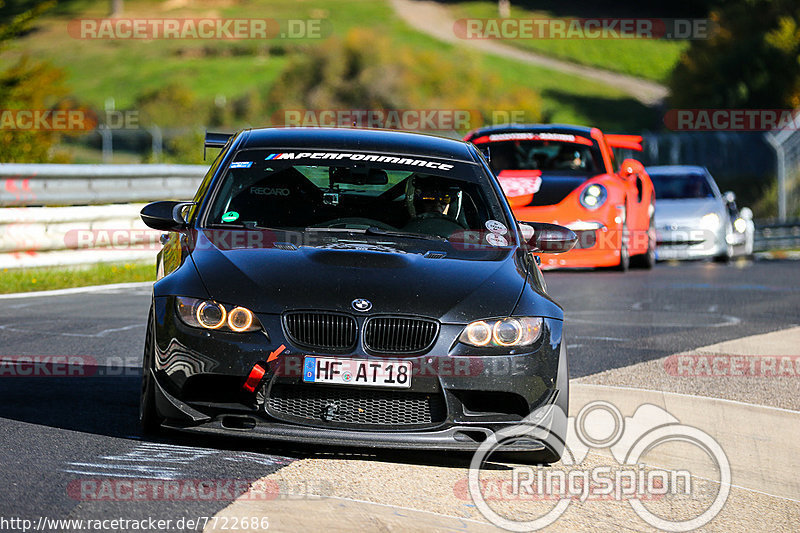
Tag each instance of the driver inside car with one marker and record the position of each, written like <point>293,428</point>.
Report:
<point>433,207</point>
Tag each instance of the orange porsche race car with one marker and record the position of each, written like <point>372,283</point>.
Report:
<point>567,175</point>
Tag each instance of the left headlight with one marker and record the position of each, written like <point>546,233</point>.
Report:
<point>709,221</point>
<point>509,331</point>
<point>593,196</point>
<point>208,314</point>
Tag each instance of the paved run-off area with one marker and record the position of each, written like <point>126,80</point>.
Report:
<point>761,444</point>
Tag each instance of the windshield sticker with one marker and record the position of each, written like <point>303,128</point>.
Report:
<point>496,240</point>
<point>495,226</point>
<point>241,164</point>
<point>424,163</point>
<point>230,216</point>
<point>530,136</point>
<point>519,186</point>
<point>270,191</point>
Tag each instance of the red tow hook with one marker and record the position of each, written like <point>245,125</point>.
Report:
<point>258,371</point>
<point>254,378</point>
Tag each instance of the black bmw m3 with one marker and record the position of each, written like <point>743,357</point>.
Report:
<point>352,287</point>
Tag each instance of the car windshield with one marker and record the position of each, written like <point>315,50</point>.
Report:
<point>564,154</point>
<point>681,186</point>
<point>394,197</point>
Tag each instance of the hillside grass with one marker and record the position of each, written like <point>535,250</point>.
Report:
<point>652,59</point>
<point>100,70</point>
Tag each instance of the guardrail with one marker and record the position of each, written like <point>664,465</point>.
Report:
<point>778,236</point>
<point>63,185</point>
<point>58,215</point>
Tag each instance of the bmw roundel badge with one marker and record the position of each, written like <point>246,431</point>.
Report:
<point>360,304</point>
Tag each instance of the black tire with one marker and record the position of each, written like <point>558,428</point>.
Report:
<point>726,256</point>
<point>149,419</point>
<point>647,260</point>
<point>624,254</point>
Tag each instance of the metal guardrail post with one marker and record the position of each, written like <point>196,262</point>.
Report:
<point>107,140</point>
<point>777,143</point>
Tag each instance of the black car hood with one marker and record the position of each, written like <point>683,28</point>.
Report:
<point>273,280</point>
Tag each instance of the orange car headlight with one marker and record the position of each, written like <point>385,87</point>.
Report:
<point>593,196</point>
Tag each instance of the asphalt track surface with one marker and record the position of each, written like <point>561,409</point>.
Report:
<point>59,431</point>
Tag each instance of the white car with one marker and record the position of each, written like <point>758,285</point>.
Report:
<point>694,219</point>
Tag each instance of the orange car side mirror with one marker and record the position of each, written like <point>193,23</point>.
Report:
<point>630,167</point>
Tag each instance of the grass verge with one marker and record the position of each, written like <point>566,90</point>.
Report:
<point>44,279</point>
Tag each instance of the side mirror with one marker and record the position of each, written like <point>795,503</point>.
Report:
<point>164,216</point>
<point>630,167</point>
<point>549,238</point>
<point>729,196</point>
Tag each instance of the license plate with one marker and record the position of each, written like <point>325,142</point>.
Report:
<point>357,372</point>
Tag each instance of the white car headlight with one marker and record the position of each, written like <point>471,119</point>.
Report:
<point>709,221</point>
<point>593,196</point>
<point>207,314</point>
<point>740,225</point>
<point>510,331</point>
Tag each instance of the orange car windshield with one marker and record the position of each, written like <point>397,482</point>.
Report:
<point>547,156</point>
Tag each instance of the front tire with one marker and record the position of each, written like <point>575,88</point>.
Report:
<point>149,419</point>
<point>647,260</point>
<point>624,253</point>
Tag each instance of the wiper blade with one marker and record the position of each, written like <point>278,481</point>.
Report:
<point>373,230</point>
<point>336,230</point>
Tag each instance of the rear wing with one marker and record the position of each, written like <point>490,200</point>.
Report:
<point>629,142</point>
<point>215,140</point>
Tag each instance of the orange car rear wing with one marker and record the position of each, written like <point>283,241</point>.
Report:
<point>630,142</point>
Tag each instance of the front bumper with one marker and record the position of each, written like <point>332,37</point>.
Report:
<point>199,377</point>
<point>683,242</point>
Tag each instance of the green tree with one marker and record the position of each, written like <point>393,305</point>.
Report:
<point>751,60</point>
<point>27,85</point>
<point>366,71</point>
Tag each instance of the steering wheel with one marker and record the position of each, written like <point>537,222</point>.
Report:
<point>356,223</point>
<point>443,217</point>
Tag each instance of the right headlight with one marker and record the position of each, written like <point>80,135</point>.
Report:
<point>208,314</point>
<point>593,196</point>
<point>509,331</point>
